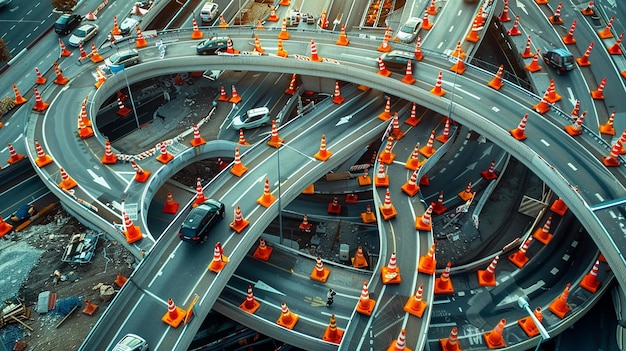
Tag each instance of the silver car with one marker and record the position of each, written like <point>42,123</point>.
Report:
<point>409,30</point>
<point>254,118</point>
<point>83,34</point>
<point>131,342</point>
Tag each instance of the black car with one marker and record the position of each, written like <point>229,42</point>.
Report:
<point>560,59</point>
<point>212,46</point>
<point>200,221</point>
<point>67,23</point>
<point>396,60</point>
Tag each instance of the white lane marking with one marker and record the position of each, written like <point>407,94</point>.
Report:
<point>572,166</point>
<point>544,142</point>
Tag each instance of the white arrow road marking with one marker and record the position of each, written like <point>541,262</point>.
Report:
<point>260,285</point>
<point>521,5</point>
<point>98,179</point>
<point>571,96</point>
<point>469,167</point>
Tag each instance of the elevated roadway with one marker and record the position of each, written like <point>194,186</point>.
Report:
<point>508,116</point>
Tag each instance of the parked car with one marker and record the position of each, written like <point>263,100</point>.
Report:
<point>560,59</point>
<point>128,24</point>
<point>83,34</point>
<point>126,58</point>
<point>209,12</point>
<point>200,220</point>
<point>131,342</point>
<point>67,23</point>
<point>396,60</point>
<point>212,46</point>
<point>254,118</point>
<point>408,31</point>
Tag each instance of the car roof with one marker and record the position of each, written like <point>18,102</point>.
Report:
<point>87,26</point>
<point>399,53</point>
<point>561,52</point>
<point>413,20</point>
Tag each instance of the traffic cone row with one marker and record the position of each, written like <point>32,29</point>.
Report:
<point>141,175</point>
<point>43,158</point>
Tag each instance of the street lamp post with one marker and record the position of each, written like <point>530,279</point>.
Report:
<point>280,212</point>
<point>523,303</point>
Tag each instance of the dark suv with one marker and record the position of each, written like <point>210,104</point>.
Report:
<point>212,46</point>
<point>67,23</point>
<point>200,221</point>
<point>560,59</point>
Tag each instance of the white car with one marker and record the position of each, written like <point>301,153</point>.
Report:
<point>409,30</point>
<point>83,34</point>
<point>209,12</point>
<point>257,117</point>
<point>131,342</point>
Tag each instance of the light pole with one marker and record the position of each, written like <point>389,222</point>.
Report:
<point>523,303</point>
<point>132,101</point>
<point>280,212</point>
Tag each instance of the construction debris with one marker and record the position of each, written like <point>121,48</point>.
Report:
<point>81,248</point>
<point>15,313</point>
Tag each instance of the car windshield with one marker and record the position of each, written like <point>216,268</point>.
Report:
<point>131,342</point>
<point>80,33</point>
<point>408,28</point>
<point>569,60</point>
<point>62,19</point>
<point>114,58</point>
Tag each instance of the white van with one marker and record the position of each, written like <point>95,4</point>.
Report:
<point>209,11</point>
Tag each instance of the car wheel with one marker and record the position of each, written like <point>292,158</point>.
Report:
<point>223,214</point>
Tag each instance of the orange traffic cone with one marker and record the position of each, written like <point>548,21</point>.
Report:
<point>382,178</point>
<point>365,305</point>
<point>606,32</point>
<point>140,42</point>
<point>588,11</point>
<point>64,51</point>
<point>334,207</point>
<point>423,222</point>
<point>438,90</point>
<point>543,234</point>
<point>281,52</point>
<point>467,193</point>
<point>275,139</point>
<point>90,308</point>
<point>305,225</point>
<point>40,79</point>
<point>387,209</point>
<point>490,173</point>
<point>590,282</point>
<point>60,79</point>
<point>223,96</point>
<point>120,279</point>
<point>451,343</point>
<point>527,53</point>
<point>487,277</point>
<point>95,56</point>
<point>400,344</point>
<point>287,318</point>
<point>200,198</point>
<point>473,34</point>
<point>283,35</point>
<point>131,232</point>
<point>250,304</point>
<point>496,82</point>
<point>445,136</point>
<point>19,99</point>
<point>569,38</point>
<point>332,333</point>
<point>273,17</point>
<point>116,29</point>
<point>410,187</point>
<point>337,98</point>
<point>415,305</point>
<point>239,223</point>
<point>612,159</point>
<point>515,30</point>
<point>384,46</point>
<point>364,179</point>
<point>343,38</point>
<point>196,34</point>
<point>429,150</point>
<point>413,162</point>
<point>528,324</point>
<point>263,251</point>
<point>319,273</point>
<point>426,25</point>
<point>559,207</point>
<point>222,23</point>
<point>235,99</point>
<point>242,139</point>
<point>559,306</point>
<point>608,128</point>
<point>387,156</point>
<point>408,77</point>
<point>314,56</point>
<point>584,59</point>
<point>164,157</point>
<point>83,53</point>
<point>443,284</point>
<point>40,105</point>
<point>534,64</point>
<point>292,86</point>
<point>543,105</point>
<point>174,314</point>
<point>519,258</point>
<point>386,114</point>
<point>109,157</point>
<point>556,18</point>
<point>418,48</point>
<point>458,51</point>
<point>391,273</point>
<point>368,216</point>
<point>577,127</point>
<point>67,182</point>
<point>552,94</point>
<point>432,9</point>
<point>616,48</point>
<point>170,207</point>
<point>494,339</point>
<point>504,17</point>
<point>238,168</point>
<point>599,93</point>
<point>518,133</point>
<point>197,139</point>
<point>141,175</point>
<point>43,158</point>
<point>323,154</point>
<point>439,207</point>
<point>359,260</point>
<point>4,228</point>
<point>382,69</point>
<point>267,198</point>
<point>14,157</point>
<point>428,263</point>
<point>219,260</point>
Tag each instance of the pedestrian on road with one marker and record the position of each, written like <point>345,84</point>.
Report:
<point>330,296</point>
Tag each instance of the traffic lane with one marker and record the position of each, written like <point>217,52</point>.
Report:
<point>25,192</point>
<point>449,26</point>
<point>22,23</point>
